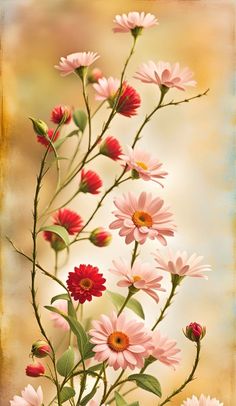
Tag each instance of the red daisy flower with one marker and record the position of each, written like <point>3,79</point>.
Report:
<point>65,218</point>
<point>43,140</point>
<point>111,148</point>
<point>61,113</point>
<point>90,182</point>
<point>85,282</point>
<point>129,101</point>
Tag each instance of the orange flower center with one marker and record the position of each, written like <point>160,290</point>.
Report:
<point>118,341</point>
<point>136,278</point>
<point>86,283</point>
<point>142,165</point>
<point>141,219</point>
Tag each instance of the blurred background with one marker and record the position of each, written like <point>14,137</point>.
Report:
<point>194,141</point>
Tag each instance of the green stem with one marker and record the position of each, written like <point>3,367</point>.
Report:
<point>56,263</point>
<point>134,255</point>
<point>168,303</point>
<point>189,379</point>
<point>115,384</point>
<point>88,110</point>
<point>130,294</point>
<point>98,108</point>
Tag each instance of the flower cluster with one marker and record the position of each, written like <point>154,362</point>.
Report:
<point>122,339</point>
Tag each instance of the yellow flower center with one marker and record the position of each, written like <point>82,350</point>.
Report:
<point>142,165</point>
<point>86,283</point>
<point>141,219</point>
<point>118,341</point>
<point>136,278</point>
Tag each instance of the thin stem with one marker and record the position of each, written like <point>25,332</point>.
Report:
<point>130,294</point>
<point>104,396</point>
<point>189,379</point>
<point>115,384</point>
<point>88,110</point>
<point>63,205</point>
<point>75,152</point>
<point>134,255</point>
<point>98,108</point>
<point>168,303</point>
<point>56,263</point>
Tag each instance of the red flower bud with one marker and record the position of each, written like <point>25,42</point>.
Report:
<point>40,349</point>
<point>35,370</point>
<point>61,114</point>
<point>195,332</point>
<point>100,237</point>
<point>90,182</point>
<point>111,148</point>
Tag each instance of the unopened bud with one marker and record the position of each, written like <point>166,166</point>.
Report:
<point>195,332</point>
<point>100,237</point>
<point>94,75</point>
<point>40,349</point>
<point>35,370</point>
<point>40,127</point>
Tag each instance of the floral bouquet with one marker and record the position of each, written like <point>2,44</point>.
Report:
<point>107,358</point>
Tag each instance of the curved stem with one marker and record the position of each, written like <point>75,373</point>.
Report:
<point>88,110</point>
<point>134,255</point>
<point>130,294</point>
<point>115,384</point>
<point>56,263</point>
<point>168,303</point>
<point>189,379</point>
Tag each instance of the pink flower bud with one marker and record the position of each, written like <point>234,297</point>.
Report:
<point>40,349</point>
<point>195,332</point>
<point>100,237</point>
<point>94,75</point>
<point>61,114</point>
<point>35,370</point>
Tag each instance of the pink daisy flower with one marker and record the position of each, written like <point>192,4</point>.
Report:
<point>141,275</point>
<point>29,397</point>
<point>57,319</point>
<point>76,60</point>
<point>165,350</point>
<point>128,22</point>
<point>163,74</point>
<point>142,218</point>
<point>106,88</point>
<point>143,165</point>
<point>202,401</point>
<point>121,342</point>
<point>181,264</point>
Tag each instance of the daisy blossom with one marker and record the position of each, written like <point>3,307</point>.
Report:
<point>111,148</point>
<point>106,88</point>
<point>163,74</point>
<point>85,282</point>
<point>29,397</point>
<point>121,342</point>
<point>142,218</point>
<point>57,319</point>
<point>76,60</point>
<point>180,263</point>
<point>90,182</point>
<point>165,350</point>
<point>134,19</point>
<point>143,164</point>
<point>141,275</point>
<point>202,401</point>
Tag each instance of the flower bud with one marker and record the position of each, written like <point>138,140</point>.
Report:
<point>94,75</point>
<point>35,370</point>
<point>61,114</point>
<point>40,349</point>
<point>195,332</point>
<point>100,237</point>
<point>40,127</point>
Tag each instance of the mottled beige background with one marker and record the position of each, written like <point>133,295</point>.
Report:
<point>195,142</point>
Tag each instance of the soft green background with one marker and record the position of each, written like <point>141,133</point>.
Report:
<point>194,141</point>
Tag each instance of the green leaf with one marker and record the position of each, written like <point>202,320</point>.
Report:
<point>66,362</point>
<point>88,350</point>
<point>90,395</point>
<point>63,296</point>
<point>134,404</point>
<point>96,367</point>
<point>132,304</point>
<point>120,401</point>
<point>59,230</point>
<point>147,382</point>
<point>66,393</point>
<point>80,119</point>
<point>76,327</point>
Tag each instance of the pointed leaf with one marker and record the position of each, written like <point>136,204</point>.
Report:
<point>76,327</point>
<point>59,230</point>
<point>134,404</point>
<point>147,382</point>
<point>80,119</point>
<point>120,401</point>
<point>63,296</point>
<point>66,362</point>
<point>90,395</point>
<point>96,367</point>
<point>66,393</point>
<point>132,304</point>
<point>88,350</point>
